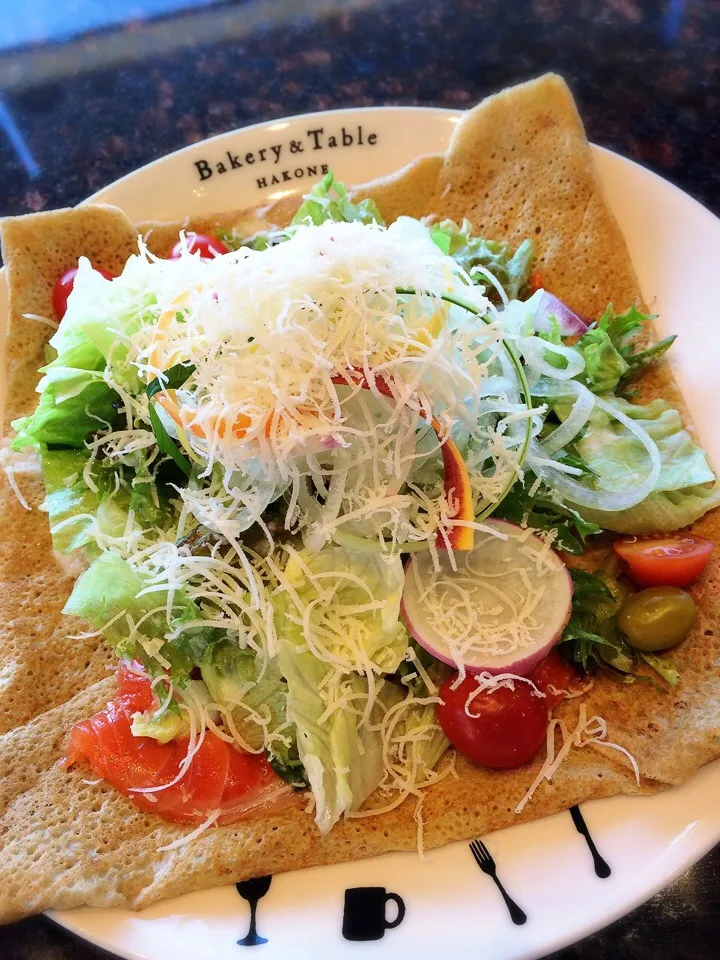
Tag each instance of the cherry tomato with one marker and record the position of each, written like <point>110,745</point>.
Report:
<point>64,286</point>
<point>505,728</point>
<point>207,247</point>
<point>554,672</point>
<point>665,562</point>
<point>537,280</point>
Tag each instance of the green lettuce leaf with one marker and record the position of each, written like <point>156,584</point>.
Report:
<point>101,317</point>
<point>75,401</point>
<point>621,329</point>
<point>105,314</point>
<point>341,755</point>
<point>328,200</point>
<point>162,726</point>
<point>660,512</point>
<point>604,366</point>
<point>537,509</point>
<point>511,269</point>
<point>71,505</point>
<point>665,666</point>
<point>686,488</point>
<point>236,680</point>
<point>591,637</point>
<point>349,580</point>
<point>423,742</point>
<point>107,596</point>
<point>342,759</point>
<point>167,721</point>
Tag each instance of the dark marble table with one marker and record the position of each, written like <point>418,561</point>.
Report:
<point>79,110</point>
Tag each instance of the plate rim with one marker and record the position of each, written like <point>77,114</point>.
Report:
<point>706,835</point>
<point>97,197</point>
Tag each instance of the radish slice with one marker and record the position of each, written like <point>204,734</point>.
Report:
<point>571,325</point>
<point>500,611</point>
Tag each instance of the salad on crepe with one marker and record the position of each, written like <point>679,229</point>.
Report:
<point>328,483</point>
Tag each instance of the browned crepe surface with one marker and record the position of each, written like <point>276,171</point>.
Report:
<point>518,166</point>
<point>39,666</point>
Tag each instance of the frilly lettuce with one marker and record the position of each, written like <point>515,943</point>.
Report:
<point>107,596</point>
<point>622,329</point>
<point>71,504</point>
<point>686,488</point>
<point>609,351</point>
<point>476,255</point>
<point>75,400</point>
<point>328,200</point>
<point>104,314</point>
<point>660,512</point>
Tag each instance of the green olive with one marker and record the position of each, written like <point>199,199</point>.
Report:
<point>657,618</point>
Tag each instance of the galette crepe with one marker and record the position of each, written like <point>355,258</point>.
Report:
<point>361,522</point>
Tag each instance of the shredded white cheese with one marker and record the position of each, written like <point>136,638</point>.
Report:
<point>193,835</point>
<point>587,731</point>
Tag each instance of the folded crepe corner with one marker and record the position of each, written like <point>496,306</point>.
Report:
<point>518,166</point>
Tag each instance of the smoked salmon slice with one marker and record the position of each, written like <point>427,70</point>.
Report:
<point>219,778</point>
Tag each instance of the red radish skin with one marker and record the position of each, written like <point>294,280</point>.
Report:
<point>519,663</point>
<point>571,325</point>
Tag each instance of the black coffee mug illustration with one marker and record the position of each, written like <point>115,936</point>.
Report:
<point>364,914</point>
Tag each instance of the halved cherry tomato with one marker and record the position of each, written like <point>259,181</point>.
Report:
<point>208,247</point>
<point>555,677</point>
<point>64,286</point>
<point>537,280</point>
<point>664,562</point>
<point>505,729</point>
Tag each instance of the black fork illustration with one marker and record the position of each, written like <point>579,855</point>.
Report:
<point>486,863</point>
<point>253,890</point>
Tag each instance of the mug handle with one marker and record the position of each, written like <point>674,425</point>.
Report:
<point>400,903</point>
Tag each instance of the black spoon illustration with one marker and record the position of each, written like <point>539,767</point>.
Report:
<point>253,891</point>
<point>602,868</point>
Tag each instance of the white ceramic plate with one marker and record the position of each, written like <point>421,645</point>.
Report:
<point>546,865</point>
